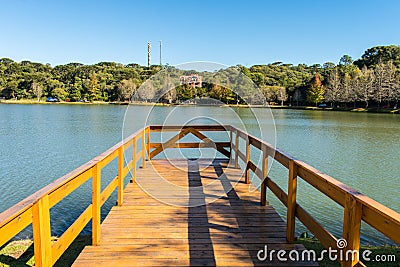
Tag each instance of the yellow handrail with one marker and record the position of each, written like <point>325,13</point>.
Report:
<point>35,209</point>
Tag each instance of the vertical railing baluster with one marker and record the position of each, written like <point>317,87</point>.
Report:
<point>237,149</point>
<point>230,143</point>
<point>148,142</point>
<point>134,159</point>
<point>120,178</point>
<point>42,232</point>
<point>291,203</point>
<point>96,187</point>
<point>351,229</point>
<point>265,174</point>
<point>144,148</point>
<point>247,170</point>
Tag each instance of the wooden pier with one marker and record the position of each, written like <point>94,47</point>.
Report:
<point>229,231</point>
<point>181,212</point>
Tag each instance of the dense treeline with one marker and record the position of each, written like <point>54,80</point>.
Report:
<point>374,79</point>
<point>105,81</point>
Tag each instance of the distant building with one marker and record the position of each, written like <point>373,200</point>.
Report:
<point>193,80</point>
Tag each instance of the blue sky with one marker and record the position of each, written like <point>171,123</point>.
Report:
<point>228,32</point>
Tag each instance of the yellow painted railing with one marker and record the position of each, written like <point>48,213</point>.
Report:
<point>35,209</point>
<point>357,207</point>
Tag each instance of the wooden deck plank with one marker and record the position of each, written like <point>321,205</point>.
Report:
<point>183,213</point>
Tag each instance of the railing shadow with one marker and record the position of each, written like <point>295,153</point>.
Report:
<point>198,234</point>
<point>20,261</point>
<point>201,248</point>
<point>65,260</point>
<point>236,202</point>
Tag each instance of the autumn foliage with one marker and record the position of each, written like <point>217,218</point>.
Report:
<point>315,93</point>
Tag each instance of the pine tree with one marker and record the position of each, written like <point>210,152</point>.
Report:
<point>315,93</point>
<point>93,90</point>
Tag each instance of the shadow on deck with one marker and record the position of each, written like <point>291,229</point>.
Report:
<point>190,212</point>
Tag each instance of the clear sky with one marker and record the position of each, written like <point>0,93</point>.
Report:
<point>229,32</point>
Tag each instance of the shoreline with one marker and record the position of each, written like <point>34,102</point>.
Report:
<point>358,110</point>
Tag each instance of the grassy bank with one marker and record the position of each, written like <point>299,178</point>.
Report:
<point>20,253</point>
<point>35,102</point>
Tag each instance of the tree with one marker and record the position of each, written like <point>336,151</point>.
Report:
<point>346,60</point>
<point>379,83</point>
<point>258,78</point>
<point>374,55</point>
<point>346,91</point>
<point>59,93</point>
<point>6,61</point>
<point>297,96</point>
<point>326,70</point>
<point>333,87</point>
<point>274,93</point>
<point>354,88</point>
<point>93,89</point>
<point>52,84</point>
<point>390,81</point>
<point>37,90</point>
<point>10,90</point>
<point>76,89</point>
<point>329,65</point>
<point>217,91</point>
<point>170,95</point>
<point>146,91</point>
<point>366,85</point>
<point>126,89</point>
<point>397,91</point>
<point>315,93</point>
<point>184,92</point>
<point>282,96</point>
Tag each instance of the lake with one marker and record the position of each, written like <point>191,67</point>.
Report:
<point>40,143</point>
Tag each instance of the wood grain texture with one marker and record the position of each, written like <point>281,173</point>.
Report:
<point>189,212</point>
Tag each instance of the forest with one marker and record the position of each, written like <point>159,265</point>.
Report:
<point>372,80</point>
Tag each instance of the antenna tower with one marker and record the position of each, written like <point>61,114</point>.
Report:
<point>148,54</point>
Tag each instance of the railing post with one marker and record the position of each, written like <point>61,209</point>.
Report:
<point>134,151</point>
<point>291,204</point>
<point>148,142</point>
<point>237,149</point>
<point>265,176</point>
<point>144,148</point>
<point>231,143</point>
<point>42,232</point>
<point>247,170</point>
<point>96,186</point>
<point>120,178</point>
<point>351,230</point>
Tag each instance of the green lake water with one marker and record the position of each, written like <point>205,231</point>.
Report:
<point>40,143</point>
